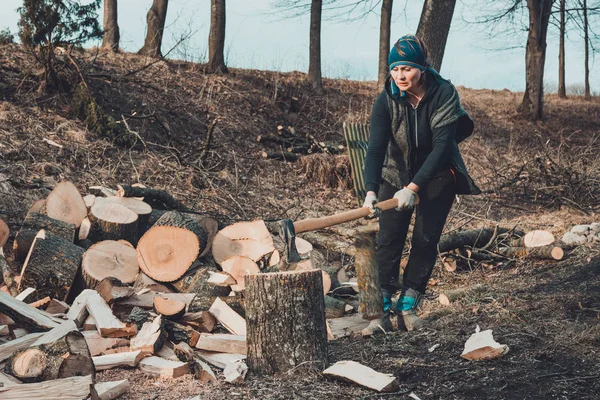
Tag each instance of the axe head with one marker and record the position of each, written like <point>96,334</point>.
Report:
<point>285,230</point>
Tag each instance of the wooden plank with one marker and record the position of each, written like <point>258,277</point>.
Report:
<point>159,366</point>
<point>231,320</point>
<point>219,360</point>
<point>30,317</point>
<point>222,343</point>
<point>7,349</point>
<point>111,390</point>
<point>362,375</point>
<point>125,359</point>
<point>99,345</point>
<point>75,388</point>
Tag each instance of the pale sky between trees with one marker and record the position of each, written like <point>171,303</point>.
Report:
<point>258,39</point>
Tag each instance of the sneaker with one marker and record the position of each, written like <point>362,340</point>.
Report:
<point>380,325</point>
<point>407,310</point>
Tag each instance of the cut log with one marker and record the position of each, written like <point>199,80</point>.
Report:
<point>75,388</point>
<point>161,367</point>
<point>199,368</point>
<point>238,267</point>
<point>111,390</point>
<point>181,333</point>
<point>125,359</point>
<point>221,279</point>
<point>57,307</point>
<point>334,308</point>
<point>202,321</point>
<point>195,280</point>
<point>27,295</point>
<point>541,253</point>
<point>189,222</point>
<point>64,357</point>
<point>150,338</point>
<point>222,343</point>
<point>51,266</point>
<point>235,372</point>
<point>476,238</point>
<point>137,206</point>
<point>9,348</point>
<point>4,233</point>
<point>219,360</point>
<point>172,309</point>
<point>111,289</point>
<point>203,303</point>
<point>290,299</point>
<point>107,324</point>
<point>231,320</point>
<point>99,345</point>
<point>535,238</point>
<point>146,300</point>
<point>143,281</point>
<point>32,224</point>
<point>31,318</point>
<point>112,221</point>
<point>109,258</point>
<point>165,253</point>
<point>451,296</point>
<point>351,371</point>
<point>158,198</point>
<point>347,326</point>
<point>250,239</point>
<point>66,204</point>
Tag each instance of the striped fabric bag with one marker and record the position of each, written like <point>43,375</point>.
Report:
<point>357,141</point>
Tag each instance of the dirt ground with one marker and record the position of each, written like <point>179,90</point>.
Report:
<point>534,176</point>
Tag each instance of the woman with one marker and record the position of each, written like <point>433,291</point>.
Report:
<point>416,124</point>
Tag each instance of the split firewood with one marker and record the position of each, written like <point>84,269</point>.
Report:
<point>108,325</point>
<point>165,253</point>
<point>221,279</point>
<point>219,360</point>
<point>351,371</point>
<point>112,221</point>
<point>451,296</point>
<point>111,390</point>
<point>543,253</point>
<point>74,388</point>
<point>143,281</point>
<point>41,303</point>
<point>90,324</point>
<point>4,233</point>
<point>235,372</point>
<point>222,343</point>
<point>66,204</point>
<point>32,224</point>
<point>7,380</point>
<point>250,239</point>
<point>238,267</point>
<point>231,320</point>
<point>29,317</point>
<point>181,333</point>
<point>172,309</point>
<point>63,357</point>
<point>347,326</point>
<point>51,266</point>
<point>4,330</point>
<point>111,289</point>
<point>89,200</point>
<point>78,312</point>
<point>124,359</point>
<point>19,332</point>
<point>109,258</point>
<point>167,351</point>
<point>98,345</point>
<point>203,303</point>
<point>84,230</point>
<point>161,367</point>
<point>334,308</point>
<point>294,300</point>
<point>199,368</point>
<point>57,307</point>
<point>202,321</point>
<point>9,348</point>
<point>146,300</point>
<point>535,238</point>
<point>26,295</point>
<point>482,346</point>
<point>150,338</point>
<point>195,280</point>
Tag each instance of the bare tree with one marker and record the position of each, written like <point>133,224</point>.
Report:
<point>587,95</point>
<point>434,27</point>
<point>562,87</point>
<point>384,40</point>
<point>155,18</point>
<point>110,38</point>
<point>216,40</point>
<point>535,58</point>
<point>314,63</point>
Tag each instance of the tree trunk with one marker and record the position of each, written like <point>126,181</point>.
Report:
<point>587,95</point>
<point>535,58</point>
<point>433,29</point>
<point>562,87</point>
<point>293,300</point>
<point>156,18</point>
<point>110,40</point>
<point>216,40</point>
<point>314,64</point>
<point>384,40</point>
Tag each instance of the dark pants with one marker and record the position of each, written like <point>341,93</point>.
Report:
<point>436,199</point>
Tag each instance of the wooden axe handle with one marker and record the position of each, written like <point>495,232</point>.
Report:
<point>312,224</point>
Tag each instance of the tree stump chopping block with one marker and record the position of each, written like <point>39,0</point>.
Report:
<point>285,316</point>
<point>369,294</point>
<point>51,266</point>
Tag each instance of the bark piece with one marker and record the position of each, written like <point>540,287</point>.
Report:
<point>222,343</point>
<point>51,265</point>
<point>250,239</point>
<point>168,351</point>
<point>74,388</point>
<point>150,338</point>
<point>124,359</point>
<point>159,366</point>
<point>99,345</point>
<point>111,390</point>
<point>238,267</point>
<point>33,319</point>
<point>172,309</point>
<point>362,375</point>
<point>111,289</point>
<point>165,253</point>
<point>369,293</point>
<point>66,204</point>
<point>293,300</point>
<point>112,221</point>
<point>109,258</point>
<point>231,320</point>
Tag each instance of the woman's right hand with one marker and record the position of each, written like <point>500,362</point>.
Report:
<point>370,200</point>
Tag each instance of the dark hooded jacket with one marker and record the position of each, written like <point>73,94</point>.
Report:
<point>414,145</point>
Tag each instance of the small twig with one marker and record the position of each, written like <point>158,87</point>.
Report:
<point>371,396</point>
<point>455,371</point>
<point>133,132</point>
<point>206,145</point>
<point>581,307</point>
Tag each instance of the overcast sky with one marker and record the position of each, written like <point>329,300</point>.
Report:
<point>255,38</point>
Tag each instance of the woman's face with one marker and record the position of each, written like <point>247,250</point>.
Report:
<point>406,78</point>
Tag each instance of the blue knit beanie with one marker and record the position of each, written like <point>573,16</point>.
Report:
<point>407,51</point>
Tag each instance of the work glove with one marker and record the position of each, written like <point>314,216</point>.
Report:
<point>370,200</point>
<point>406,199</point>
